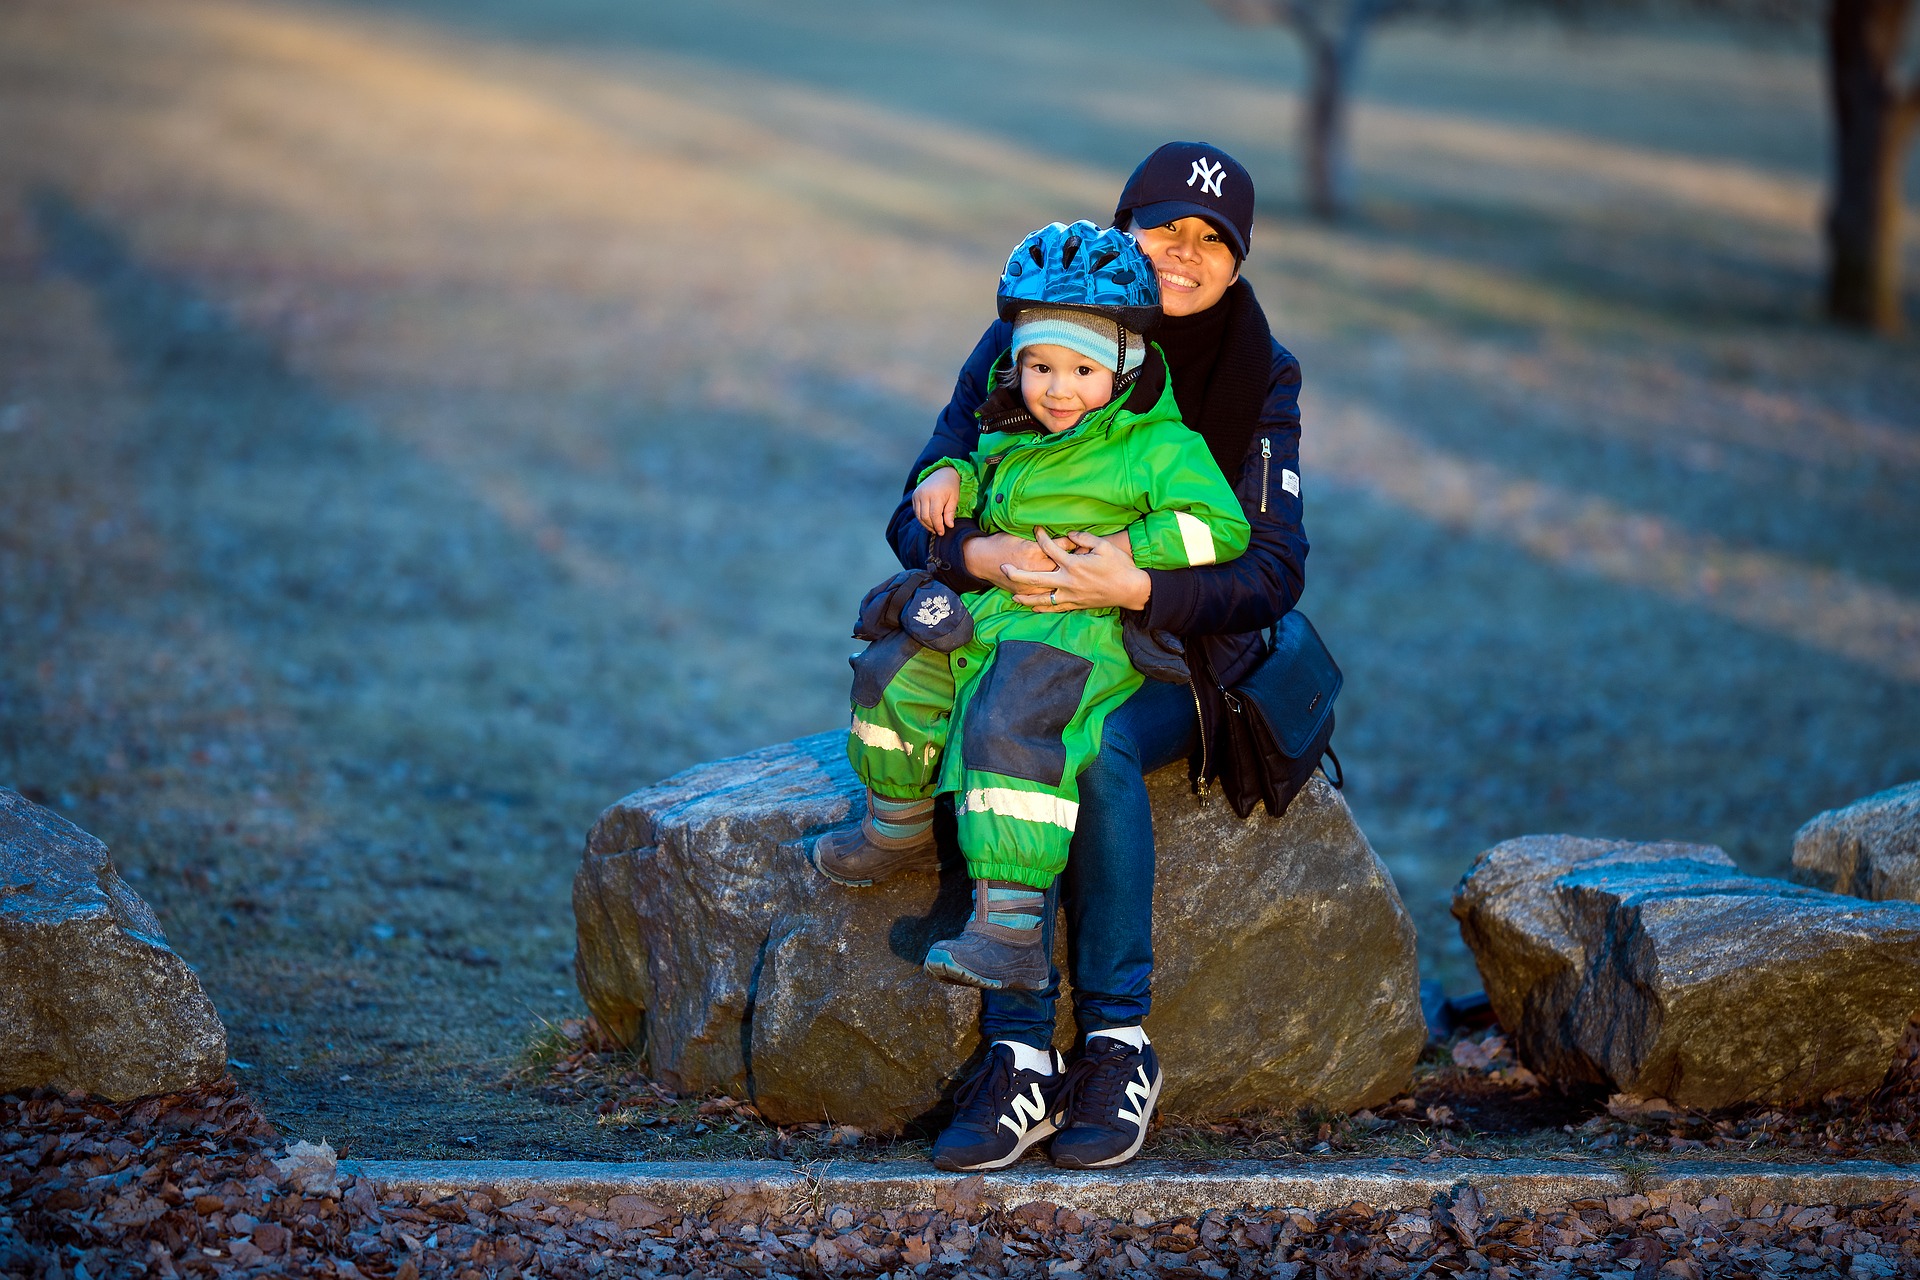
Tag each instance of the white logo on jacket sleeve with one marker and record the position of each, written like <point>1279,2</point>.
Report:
<point>1209,176</point>
<point>1290,482</point>
<point>933,610</point>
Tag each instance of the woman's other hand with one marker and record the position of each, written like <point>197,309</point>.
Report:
<point>990,555</point>
<point>935,500</point>
<point>1085,572</point>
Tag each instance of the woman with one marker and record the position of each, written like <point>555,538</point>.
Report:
<point>1190,207</point>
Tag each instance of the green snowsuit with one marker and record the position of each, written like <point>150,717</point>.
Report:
<point>1030,693</point>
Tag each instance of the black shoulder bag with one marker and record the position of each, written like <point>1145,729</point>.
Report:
<point>1280,720</point>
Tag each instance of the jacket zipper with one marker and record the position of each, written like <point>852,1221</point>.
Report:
<point>1201,717</point>
<point>1266,464</point>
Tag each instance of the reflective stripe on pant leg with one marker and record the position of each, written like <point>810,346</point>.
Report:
<point>1012,829</point>
<point>895,745</point>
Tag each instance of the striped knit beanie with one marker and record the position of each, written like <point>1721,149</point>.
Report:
<point>1094,336</point>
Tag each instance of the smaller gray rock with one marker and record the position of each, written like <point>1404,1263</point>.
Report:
<point>1870,848</point>
<point>91,996</point>
<point>1660,969</point>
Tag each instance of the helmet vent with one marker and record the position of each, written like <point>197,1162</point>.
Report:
<point>1081,267</point>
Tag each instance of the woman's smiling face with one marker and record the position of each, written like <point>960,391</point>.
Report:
<point>1193,262</point>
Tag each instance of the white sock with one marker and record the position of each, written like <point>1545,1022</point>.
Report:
<point>1135,1036</point>
<point>1028,1058</point>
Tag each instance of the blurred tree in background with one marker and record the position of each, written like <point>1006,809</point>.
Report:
<point>1875,96</point>
<point>1876,103</point>
<point>1332,34</point>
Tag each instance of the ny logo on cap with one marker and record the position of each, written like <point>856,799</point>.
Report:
<point>1209,177</point>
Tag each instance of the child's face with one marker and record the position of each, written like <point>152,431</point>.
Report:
<point>1061,386</point>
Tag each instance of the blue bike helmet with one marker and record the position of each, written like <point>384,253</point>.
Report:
<point>1081,267</point>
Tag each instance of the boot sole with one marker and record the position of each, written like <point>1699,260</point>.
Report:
<point>947,969</point>
<point>848,882</point>
<point>1153,1102</point>
<point>1042,1129</point>
<point>842,881</point>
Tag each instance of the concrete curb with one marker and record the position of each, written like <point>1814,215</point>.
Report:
<point>1161,1189</point>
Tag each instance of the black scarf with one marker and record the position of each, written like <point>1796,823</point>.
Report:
<point>1221,361</point>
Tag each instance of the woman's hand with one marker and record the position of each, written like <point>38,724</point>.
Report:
<point>1088,572</point>
<point>935,500</point>
<point>990,555</point>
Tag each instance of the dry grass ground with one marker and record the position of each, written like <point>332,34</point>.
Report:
<point>420,424</point>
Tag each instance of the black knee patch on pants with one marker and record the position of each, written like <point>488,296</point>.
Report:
<point>875,667</point>
<point>1016,717</point>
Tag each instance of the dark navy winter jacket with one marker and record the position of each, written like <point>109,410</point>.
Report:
<point>1218,609</point>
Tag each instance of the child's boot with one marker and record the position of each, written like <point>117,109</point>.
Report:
<point>893,835</point>
<point>1001,948</point>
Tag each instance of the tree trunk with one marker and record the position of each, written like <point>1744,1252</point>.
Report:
<point>1323,142</point>
<point>1873,119</point>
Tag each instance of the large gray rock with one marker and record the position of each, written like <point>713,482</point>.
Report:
<point>1663,971</point>
<point>91,996</point>
<point>1285,971</point>
<point>1870,848</point>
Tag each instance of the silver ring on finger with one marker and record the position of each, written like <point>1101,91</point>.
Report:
<point>1053,596</point>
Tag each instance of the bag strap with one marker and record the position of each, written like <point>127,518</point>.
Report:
<point>1339,781</point>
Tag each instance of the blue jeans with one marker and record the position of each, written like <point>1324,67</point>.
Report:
<point>1107,888</point>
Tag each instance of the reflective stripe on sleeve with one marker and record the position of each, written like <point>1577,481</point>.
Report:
<point>1197,538</point>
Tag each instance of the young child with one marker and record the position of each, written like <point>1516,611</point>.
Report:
<point>1080,433</point>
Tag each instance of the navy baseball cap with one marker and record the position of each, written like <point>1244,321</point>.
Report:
<point>1190,180</point>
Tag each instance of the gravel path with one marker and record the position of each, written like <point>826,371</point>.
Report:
<point>420,424</point>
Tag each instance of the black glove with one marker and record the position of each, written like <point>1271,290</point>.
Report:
<point>1158,655</point>
<point>914,601</point>
<point>880,608</point>
<point>937,618</point>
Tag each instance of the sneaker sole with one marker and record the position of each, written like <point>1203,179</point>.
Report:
<point>1153,1101</point>
<point>947,969</point>
<point>1041,1130</point>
